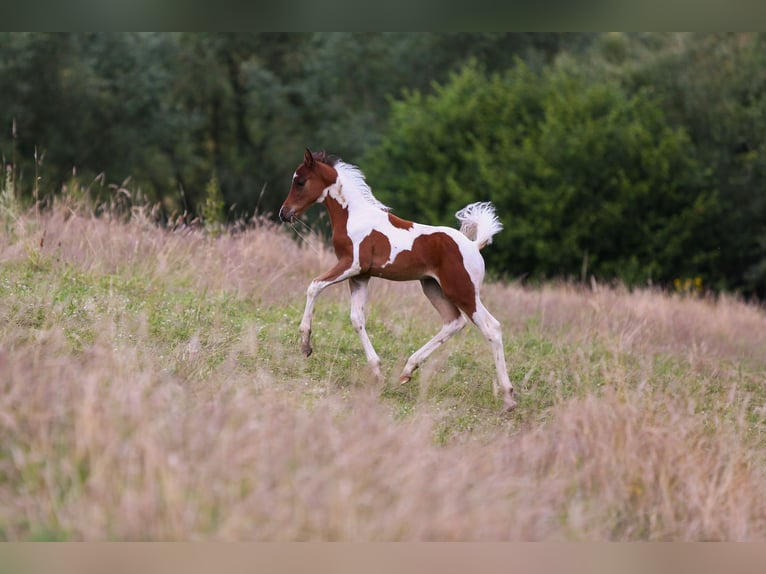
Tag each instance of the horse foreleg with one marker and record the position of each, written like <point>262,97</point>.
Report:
<point>315,288</point>
<point>358,287</point>
<point>342,271</point>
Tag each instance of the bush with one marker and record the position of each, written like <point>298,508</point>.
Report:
<point>714,85</point>
<point>587,178</point>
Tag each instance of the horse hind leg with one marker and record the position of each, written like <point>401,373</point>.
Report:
<point>464,292</point>
<point>493,333</point>
<point>453,321</point>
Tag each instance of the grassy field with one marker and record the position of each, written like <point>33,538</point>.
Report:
<point>152,388</point>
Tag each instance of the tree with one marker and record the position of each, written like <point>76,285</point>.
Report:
<point>169,111</point>
<point>714,85</point>
<point>582,173</point>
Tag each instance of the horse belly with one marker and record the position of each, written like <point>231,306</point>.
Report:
<point>407,265</point>
<point>396,272</point>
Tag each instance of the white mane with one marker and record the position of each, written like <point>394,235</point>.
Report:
<point>353,180</point>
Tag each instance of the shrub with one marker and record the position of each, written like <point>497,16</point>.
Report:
<point>587,178</point>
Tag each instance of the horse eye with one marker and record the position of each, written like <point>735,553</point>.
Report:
<point>300,182</point>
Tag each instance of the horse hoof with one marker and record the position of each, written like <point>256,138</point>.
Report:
<point>307,350</point>
<point>404,379</point>
<point>510,404</point>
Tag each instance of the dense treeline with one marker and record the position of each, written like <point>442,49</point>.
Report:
<point>171,111</point>
<point>589,178</point>
<point>632,156</point>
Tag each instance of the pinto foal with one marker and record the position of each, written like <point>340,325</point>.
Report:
<point>371,242</point>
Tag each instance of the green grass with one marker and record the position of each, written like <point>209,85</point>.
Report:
<point>457,379</point>
<point>155,389</point>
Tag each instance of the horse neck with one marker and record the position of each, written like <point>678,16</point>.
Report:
<point>341,211</point>
<point>338,217</point>
<point>343,203</point>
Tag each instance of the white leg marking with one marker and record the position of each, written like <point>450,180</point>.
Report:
<point>490,328</point>
<point>358,300</point>
<point>314,290</point>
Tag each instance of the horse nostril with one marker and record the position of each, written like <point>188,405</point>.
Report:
<point>287,215</point>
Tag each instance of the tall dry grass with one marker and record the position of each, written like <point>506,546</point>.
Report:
<point>641,413</point>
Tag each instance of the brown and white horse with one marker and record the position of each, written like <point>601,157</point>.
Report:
<point>371,242</point>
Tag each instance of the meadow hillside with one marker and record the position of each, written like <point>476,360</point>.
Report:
<point>152,388</point>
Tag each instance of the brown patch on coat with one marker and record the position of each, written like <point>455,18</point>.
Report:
<point>399,222</point>
<point>451,272</point>
<point>341,242</point>
<point>434,255</point>
<point>374,252</point>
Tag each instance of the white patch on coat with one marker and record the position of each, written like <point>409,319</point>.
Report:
<point>366,214</point>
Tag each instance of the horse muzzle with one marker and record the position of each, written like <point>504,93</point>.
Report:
<point>286,215</point>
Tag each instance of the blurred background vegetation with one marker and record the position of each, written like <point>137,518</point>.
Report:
<point>633,157</point>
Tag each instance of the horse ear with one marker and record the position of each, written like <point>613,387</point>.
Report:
<point>308,158</point>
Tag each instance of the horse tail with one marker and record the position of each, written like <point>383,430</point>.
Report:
<point>479,222</point>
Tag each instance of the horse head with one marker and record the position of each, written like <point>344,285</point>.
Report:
<point>312,177</point>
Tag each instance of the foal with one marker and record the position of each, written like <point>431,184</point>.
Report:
<point>371,242</point>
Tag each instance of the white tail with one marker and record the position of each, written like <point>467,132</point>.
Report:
<point>479,222</point>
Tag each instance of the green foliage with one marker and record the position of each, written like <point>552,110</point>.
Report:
<point>10,207</point>
<point>714,85</point>
<point>169,109</point>
<point>213,210</point>
<point>586,177</point>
